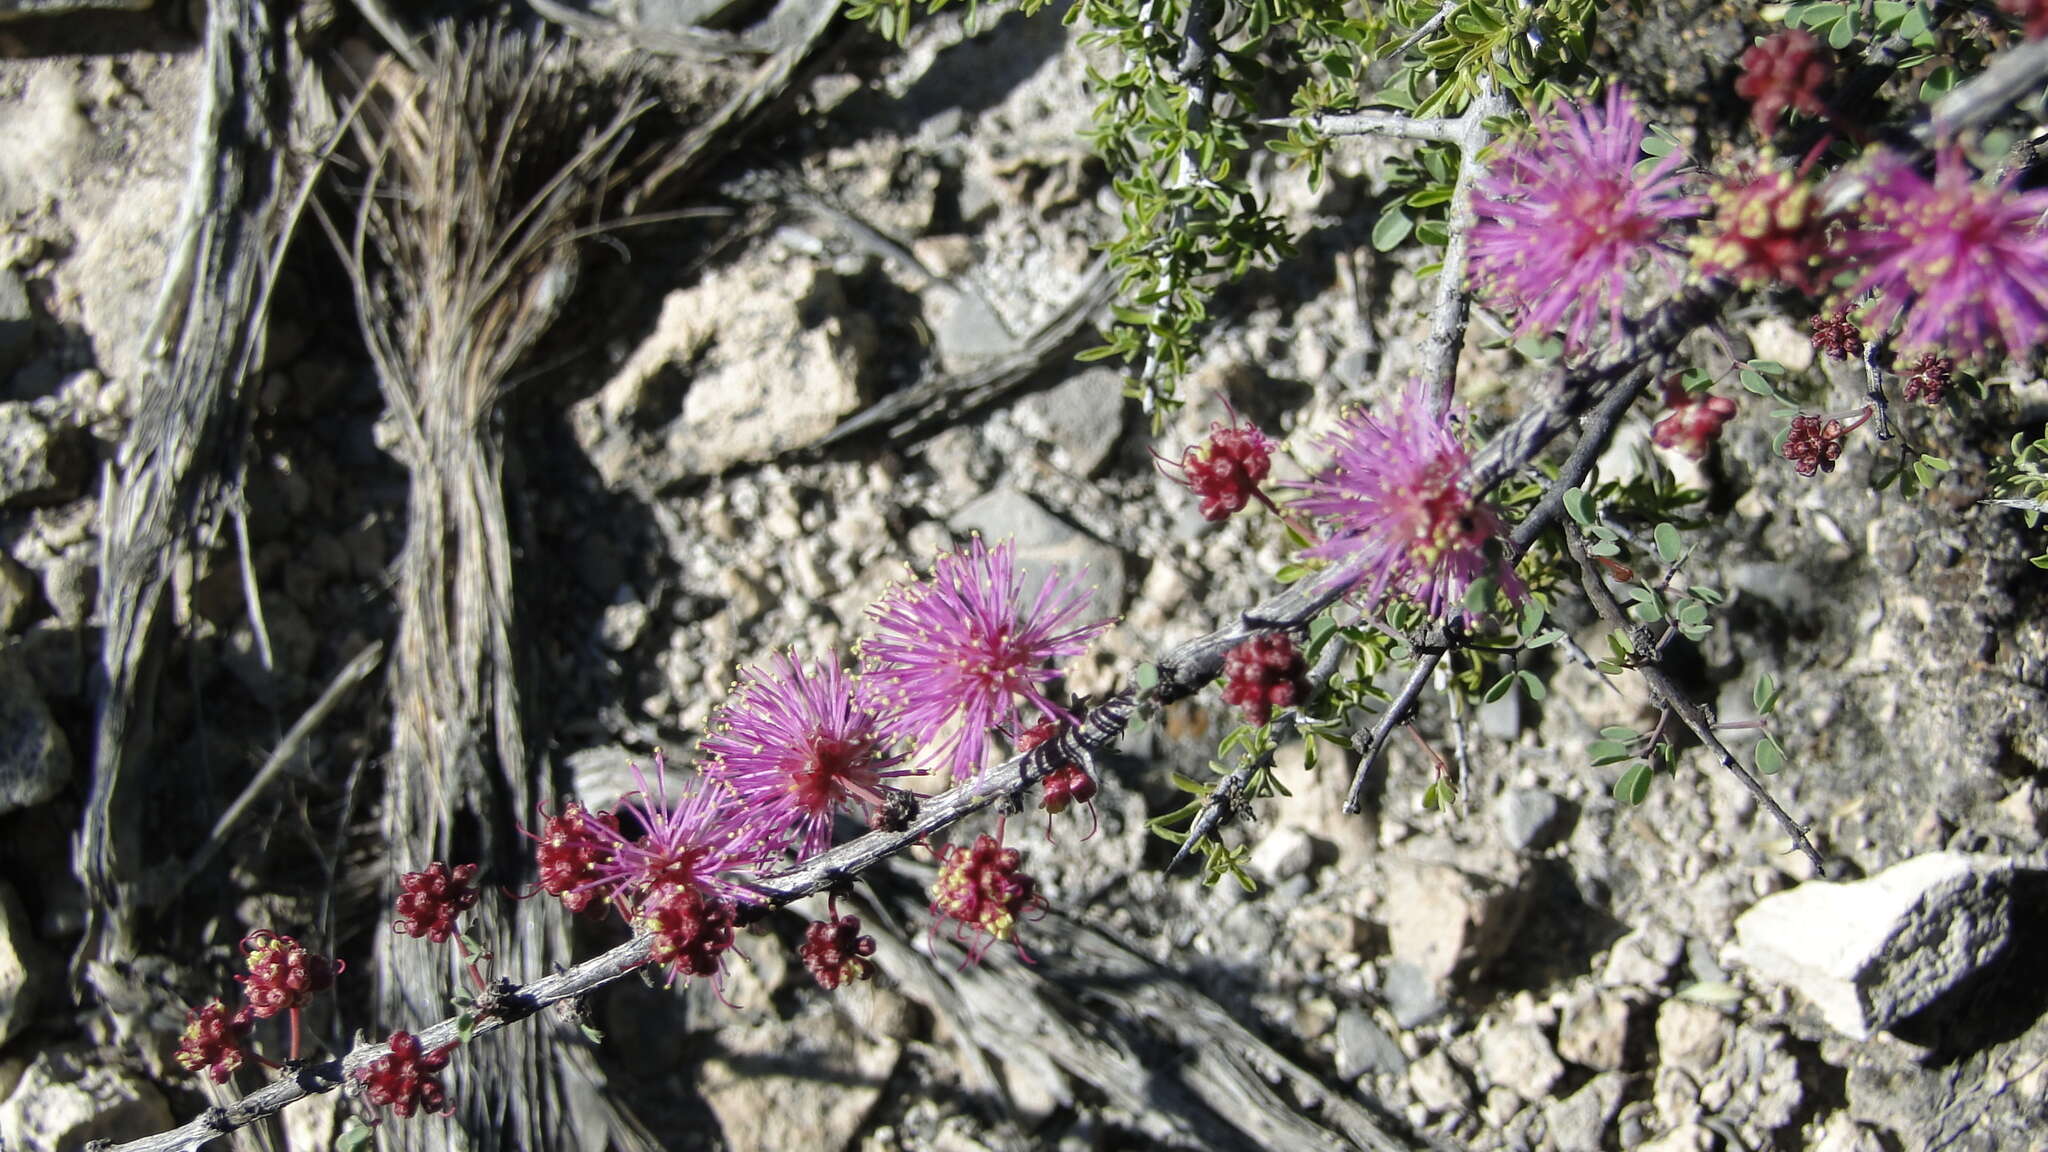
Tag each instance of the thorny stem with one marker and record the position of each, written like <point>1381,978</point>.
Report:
<point>1398,125</point>
<point>1198,47</point>
<point>1670,696</point>
<point>1453,306</point>
<point>1100,729</point>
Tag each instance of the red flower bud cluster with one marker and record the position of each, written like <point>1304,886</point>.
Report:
<point>835,953</point>
<point>1815,442</point>
<point>1929,382</point>
<point>404,1081</point>
<point>1836,335</point>
<point>1767,228</point>
<point>690,929</point>
<point>2032,14</point>
<point>1067,784</point>
<point>1264,673</point>
<point>1695,420</point>
<point>214,1040</point>
<point>1225,473</point>
<point>430,901</point>
<point>571,852</point>
<point>1781,71</point>
<point>985,889</point>
<point>282,974</point>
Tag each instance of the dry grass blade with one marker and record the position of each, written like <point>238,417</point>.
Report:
<point>167,484</point>
<point>482,172</point>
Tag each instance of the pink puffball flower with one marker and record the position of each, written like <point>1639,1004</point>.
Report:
<point>1963,265</point>
<point>1396,499</point>
<point>697,840</point>
<point>798,744</point>
<point>1564,217</point>
<point>955,656</point>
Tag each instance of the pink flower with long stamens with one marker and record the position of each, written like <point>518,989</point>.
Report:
<point>1395,495</point>
<point>798,744</point>
<point>696,840</point>
<point>1963,265</point>
<point>956,656</point>
<point>1564,219</point>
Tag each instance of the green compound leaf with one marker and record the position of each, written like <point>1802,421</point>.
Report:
<point>1605,752</point>
<point>1533,686</point>
<point>1634,786</point>
<point>1669,546</point>
<point>1770,758</point>
<point>1392,228</point>
<point>1765,695</point>
<point>1576,505</point>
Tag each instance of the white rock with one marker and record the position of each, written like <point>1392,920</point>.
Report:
<point>1692,1036</point>
<point>1448,923</point>
<point>779,1088</point>
<point>66,1100</point>
<point>1870,953</point>
<point>1643,957</point>
<point>747,363</point>
<point>1519,1057</point>
<point>1594,1032</point>
<point>1283,854</point>
<point>1439,1084</point>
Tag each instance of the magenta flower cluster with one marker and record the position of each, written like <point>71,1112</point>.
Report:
<point>956,658</point>
<point>1397,502</point>
<point>955,662</point>
<point>1565,220</point>
<point>1960,265</point>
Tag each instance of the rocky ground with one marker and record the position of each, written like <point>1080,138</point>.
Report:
<point>1543,968</point>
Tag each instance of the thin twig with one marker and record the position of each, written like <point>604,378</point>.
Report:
<point>1100,730</point>
<point>1669,695</point>
<point>1198,47</point>
<point>351,674</point>
<point>1217,804</point>
<point>1453,305</point>
<point>1398,125</point>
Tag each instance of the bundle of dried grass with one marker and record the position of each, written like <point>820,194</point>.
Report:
<point>483,173</point>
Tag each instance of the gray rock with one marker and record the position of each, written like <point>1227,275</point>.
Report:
<point>1643,958</point>
<point>1449,923</point>
<point>1581,1119</point>
<point>776,1086</point>
<point>35,759</point>
<point>1870,953</point>
<point>21,966</point>
<point>1519,1058</point>
<point>1283,853</point>
<point>751,361</point>
<point>67,1100</point>
<point>1596,1029</point>
<point>17,319</point>
<point>1502,718</point>
<point>1529,818</point>
<point>968,332</point>
<point>1687,1137</point>
<point>1439,1084</point>
<point>17,595</point>
<point>1046,543</point>
<point>71,584</point>
<point>1412,996</point>
<point>1692,1037</point>
<point>1083,416</point>
<point>40,462</point>
<point>1363,1046</point>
